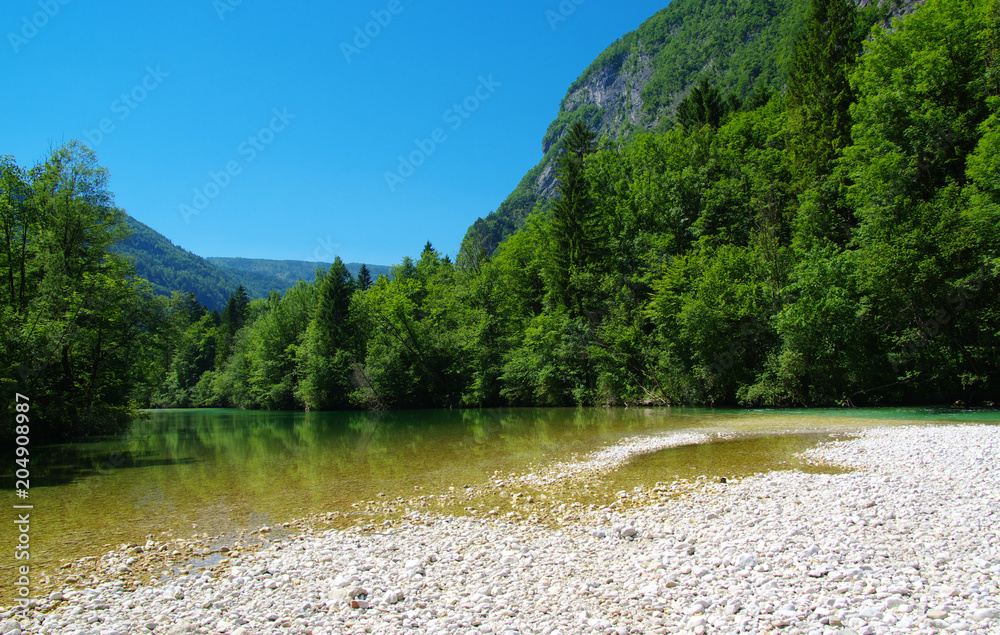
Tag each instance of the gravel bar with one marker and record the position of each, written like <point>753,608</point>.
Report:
<point>906,542</point>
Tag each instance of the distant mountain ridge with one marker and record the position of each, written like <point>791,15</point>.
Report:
<point>635,84</point>
<point>264,274</point>
<point>171,268</point>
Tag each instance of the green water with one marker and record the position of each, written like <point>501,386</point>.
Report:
<point>220,471</point>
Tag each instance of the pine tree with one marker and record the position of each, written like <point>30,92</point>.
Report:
<point>234,316</point>
<point>703,105</point>
<point>333,305</point>
<point>818,102</point>
<point>327,351</point>
<point>364,280</point>
<point>819,94</point>
<point>573,217</point>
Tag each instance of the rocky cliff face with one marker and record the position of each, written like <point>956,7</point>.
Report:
<point>616,91</point>
<point>610,94</point>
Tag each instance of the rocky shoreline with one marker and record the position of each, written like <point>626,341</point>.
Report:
<point>909,541</point>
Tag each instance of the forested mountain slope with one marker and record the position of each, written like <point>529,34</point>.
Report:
<point>171,268</point>
<point>259,275</point>
<point>742,47</point>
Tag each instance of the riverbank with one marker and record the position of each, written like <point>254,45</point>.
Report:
<point>907,542</point>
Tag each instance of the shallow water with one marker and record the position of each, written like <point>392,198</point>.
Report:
<point>219,471</point>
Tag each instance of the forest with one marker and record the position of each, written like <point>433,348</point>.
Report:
<point>835,243</point>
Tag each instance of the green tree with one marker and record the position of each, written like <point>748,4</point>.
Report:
<point>328,348</point>
<point>17,224</point>
<point>703,105</point>
<point>926,246</point>
<point>364,279</point>
<point>818,102</point>
<point>417,349</point>
<point>572,226</point>
<point>819,92</point>
<point>502,297</point>
<point>74,316</point>
<point>264,370</point>
<point>234,316</point>
<point>195,346</point>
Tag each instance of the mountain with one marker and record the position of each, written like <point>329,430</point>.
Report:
<point>635,85</point>
<point>259,275</point>
<point>170,268</point>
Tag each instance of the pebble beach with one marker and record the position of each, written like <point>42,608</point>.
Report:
<point>905,540</point>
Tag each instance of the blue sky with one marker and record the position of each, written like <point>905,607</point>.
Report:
<point>267,129</point>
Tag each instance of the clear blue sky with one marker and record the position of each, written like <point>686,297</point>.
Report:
<point>255,105</point>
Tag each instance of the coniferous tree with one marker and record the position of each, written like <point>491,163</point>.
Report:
<point>333,304</point>
<point>704,105</point>
<point>573,217</point>
<point>406,268</point>
<point>364,280</point>
<point>818,102</point>
<point>234,316</point>
<point>326,354</point>
<point>819,93</point>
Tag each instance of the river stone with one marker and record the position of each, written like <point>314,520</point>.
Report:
<point>182,627</point>
<point>937,614</point>
<point>343,595</point>
<point>392,597</point>
<point>344,580</point>
<point>11,627</point>
<point>746,561</point>
<point>695,622</point>
<point>985,614</point>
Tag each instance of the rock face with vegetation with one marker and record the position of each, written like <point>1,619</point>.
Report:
<point>637,83</point>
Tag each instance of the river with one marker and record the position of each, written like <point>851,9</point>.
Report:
<point>185,472</point>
